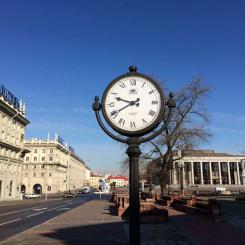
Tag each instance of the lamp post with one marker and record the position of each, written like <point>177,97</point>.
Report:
<point>133,105</point>
<point>181,166</point>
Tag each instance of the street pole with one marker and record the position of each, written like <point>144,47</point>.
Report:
<point>46,194</point>
<point>133,138</point>
<point>134,152</point>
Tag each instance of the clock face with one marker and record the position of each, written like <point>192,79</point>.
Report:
<point>133,104</point>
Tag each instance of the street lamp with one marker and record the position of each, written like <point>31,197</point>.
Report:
<point>181,166</point>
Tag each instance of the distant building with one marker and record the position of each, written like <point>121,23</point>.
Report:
<point>120,180</point>
<point>94,180</point>
<point>52,166</point>
<point>12,132</point>
<point>205,168</point>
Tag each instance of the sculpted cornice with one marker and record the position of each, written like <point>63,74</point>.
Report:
<point>7,145</point>
<point>12,112</point>
<point>43,144</point>
<point>10,160</point>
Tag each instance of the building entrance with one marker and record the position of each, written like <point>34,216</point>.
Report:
<point>23,189</point>
<point>37,188</point>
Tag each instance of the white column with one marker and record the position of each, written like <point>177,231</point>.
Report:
<point>243,171</point>
<point>173,176</point>
<point>229,173</point>
<point>184,179</point>
<point>189,172</point>
<point>201,165</point>
<point>220,179</point>
<point>192,173</point>
<point>170,177</point>
<point>210,173</point>
<point>238,173</point>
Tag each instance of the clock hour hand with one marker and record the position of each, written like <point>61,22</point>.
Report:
<point>131,103</point>
<point>120,99</point>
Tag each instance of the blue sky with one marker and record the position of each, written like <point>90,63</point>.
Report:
<point>57,55</point>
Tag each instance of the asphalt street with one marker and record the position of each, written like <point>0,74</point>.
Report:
<point>17,218</point>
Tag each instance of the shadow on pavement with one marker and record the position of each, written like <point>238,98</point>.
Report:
<point>112,210</point>
<point>95,234</point>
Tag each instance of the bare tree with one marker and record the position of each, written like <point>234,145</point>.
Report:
<point>186,130</point>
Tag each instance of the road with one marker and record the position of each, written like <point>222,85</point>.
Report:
<point>15,218</point>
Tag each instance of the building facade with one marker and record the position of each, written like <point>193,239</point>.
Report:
<point>119,180</point>
<point>52,167</point>
<point>94,180</point>
<point>12,151</point>
<point>208,168</point>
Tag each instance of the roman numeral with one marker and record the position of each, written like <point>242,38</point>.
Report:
<point>152,91</point>
<point>122,85</point>
<point>114,93</point>
<point>143,84</point>
<point>112,104</point>
<point>121,121</point>
<point>132,124</point>
<point>113,113</point>
<point>133,82</point>
<point>154,102</point>
<point>151,113</point>
<point>144,121</point>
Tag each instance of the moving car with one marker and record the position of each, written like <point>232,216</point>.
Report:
<point>69,195</point>
<point>85,190</point>
<point>31,195</point>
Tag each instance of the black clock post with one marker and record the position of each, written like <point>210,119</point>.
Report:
<point>133,140</point>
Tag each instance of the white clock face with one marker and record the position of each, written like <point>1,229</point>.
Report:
<point>132,103</point>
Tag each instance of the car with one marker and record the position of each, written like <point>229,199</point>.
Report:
<point>69,195</point>
<point>85,190</point>
<point>31,195</point>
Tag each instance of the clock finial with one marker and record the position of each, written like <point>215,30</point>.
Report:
<point>132,68</point>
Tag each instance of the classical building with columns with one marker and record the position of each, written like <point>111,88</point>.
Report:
<point>12,130</point>
<point>206,167</point>
<point>52,166</point>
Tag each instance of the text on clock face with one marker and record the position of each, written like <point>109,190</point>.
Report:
<point>132,103</point>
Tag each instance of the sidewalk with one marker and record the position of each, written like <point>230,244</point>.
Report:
<point>204,231</point>
<point>88,224</point>
<point>95,223</point>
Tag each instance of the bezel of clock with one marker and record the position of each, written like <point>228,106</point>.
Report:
<point>148,128</point>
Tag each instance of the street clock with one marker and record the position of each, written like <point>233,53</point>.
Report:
<point>133,104</point>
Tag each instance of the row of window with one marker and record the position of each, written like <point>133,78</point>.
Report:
<point>43,150</point>
<point>43,159</point>
<point>10,168</point>
<point>14,139</point>
<point>35,174</point>
<point>7,121</point>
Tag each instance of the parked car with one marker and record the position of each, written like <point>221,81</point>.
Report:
<point>69,195</point>
<point>31,195</point>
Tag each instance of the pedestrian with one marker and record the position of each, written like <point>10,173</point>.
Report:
<point>100,190</point>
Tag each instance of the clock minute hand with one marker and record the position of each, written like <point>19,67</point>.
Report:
<point>115,113</point>
<point>124,107</point>
<point>131,103</point>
